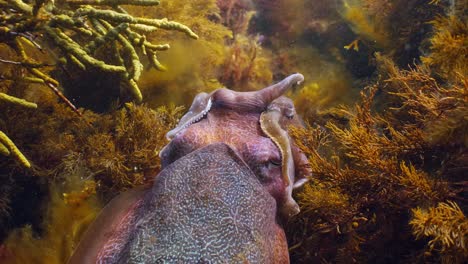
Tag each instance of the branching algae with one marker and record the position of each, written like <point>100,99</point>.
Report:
<point>78,30</point>
<point>372,167</point>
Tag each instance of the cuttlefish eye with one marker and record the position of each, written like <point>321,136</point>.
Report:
<point>274,162</point>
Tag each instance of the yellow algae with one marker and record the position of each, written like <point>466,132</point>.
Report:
<point>353,45</point>
<point>13,150</point>
<point>191,66</point>
<point>449,46</point>
<point>354,12</point>
<point>352,150</point>
<point>447,226</point>
<point>64,223</point>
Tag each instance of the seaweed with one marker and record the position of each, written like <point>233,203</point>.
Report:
<point>68,27</point>
<point>447,226</point>
<point>367,18</point>
<point>247,67</point>
<point>7,146</point>
<point>449,49</point>
<point>192,66</point>
<point>129,155</point>
<point>66,218</point>
<point>382,161</point>
<point>236,15</point>
<point>79,30</point>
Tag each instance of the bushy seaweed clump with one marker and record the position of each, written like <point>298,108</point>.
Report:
<point>192,66</point>
<point>73,157</point>
<point>247,65</point>
<point>224,55</point>
<point>449,48</point>
<point>53,43</point>
<point>80,33</point>
<point>385,172</point>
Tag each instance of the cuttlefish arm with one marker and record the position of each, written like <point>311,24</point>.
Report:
<point>200,107</point>
<point>270,125</point>
<point>224,98</point>
<point>269,122</point>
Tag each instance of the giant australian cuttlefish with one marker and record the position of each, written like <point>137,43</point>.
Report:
<point>227,180</point>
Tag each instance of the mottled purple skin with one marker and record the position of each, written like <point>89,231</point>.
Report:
<point>206,207</point>
<point>218,196</point>
<point>242,132</point>
<point>234,119</point>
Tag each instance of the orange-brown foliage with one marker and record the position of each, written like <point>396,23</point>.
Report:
<point>371,169</point>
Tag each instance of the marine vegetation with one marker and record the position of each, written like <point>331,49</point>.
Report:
<point>68,213</point>
<point>373,164</point>
<point>7,146</point>
<point>72,157</point>
<point>384,105</point>
<point>77,33</point>
<point>447,226</point>
<point>192,66</point>
<point>448,49</point>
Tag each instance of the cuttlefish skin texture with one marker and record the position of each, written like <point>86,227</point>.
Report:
<point>227,180</point>
<point>255,125</point>
<point>207,207</point>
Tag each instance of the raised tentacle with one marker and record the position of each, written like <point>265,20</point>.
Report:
<point>200,106</point>
<point>256,101</point>
<point>274,91</point>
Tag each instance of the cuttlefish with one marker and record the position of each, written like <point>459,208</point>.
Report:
<point>226,185</point>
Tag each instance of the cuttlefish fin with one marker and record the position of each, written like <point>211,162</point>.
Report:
<point>105,225</point>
